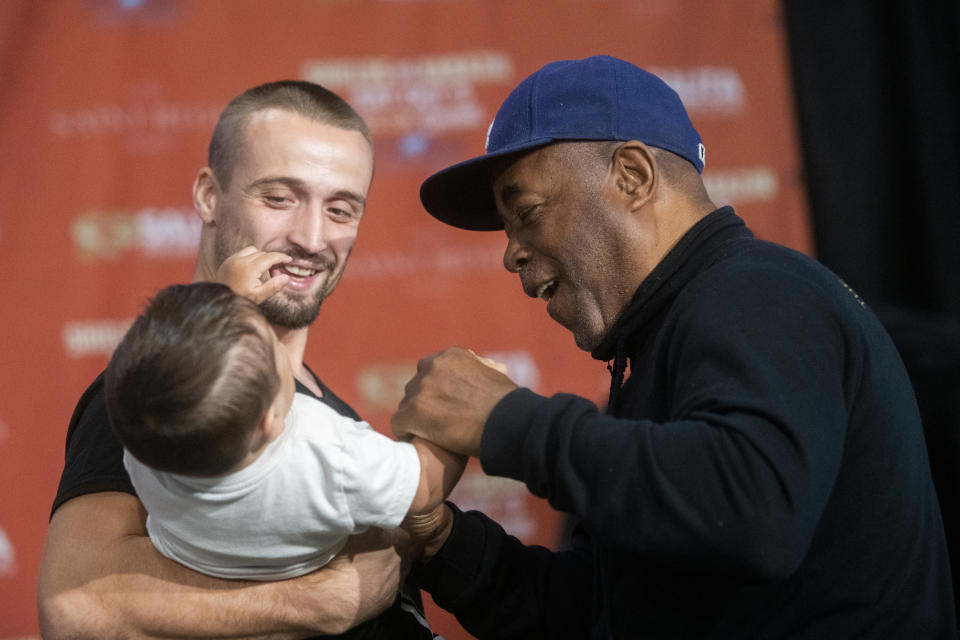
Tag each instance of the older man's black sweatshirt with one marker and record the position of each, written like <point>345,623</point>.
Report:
<point>760,471</point>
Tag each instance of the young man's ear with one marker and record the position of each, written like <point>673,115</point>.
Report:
<point>206,190</point>
<point>635,171</point>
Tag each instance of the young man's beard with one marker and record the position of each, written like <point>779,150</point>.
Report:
<point>284,309</point>
<point>290,311</point>
<point>291,315</point>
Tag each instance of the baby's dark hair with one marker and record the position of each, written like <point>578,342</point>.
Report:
<point>191,379</point>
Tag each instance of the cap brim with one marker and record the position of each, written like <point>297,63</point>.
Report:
<point>462,196</point>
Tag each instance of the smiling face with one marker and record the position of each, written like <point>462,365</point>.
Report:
<point>298,186</point>
<point>572,235</point>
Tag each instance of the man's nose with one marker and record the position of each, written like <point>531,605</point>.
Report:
<point>309,228</point>
<point>515,255</point>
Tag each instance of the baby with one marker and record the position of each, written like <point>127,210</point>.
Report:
<point>241,476</point>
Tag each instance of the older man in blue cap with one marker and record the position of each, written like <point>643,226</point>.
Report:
<point>760,470</point>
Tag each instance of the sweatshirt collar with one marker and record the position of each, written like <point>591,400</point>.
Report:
<point>699,247</point>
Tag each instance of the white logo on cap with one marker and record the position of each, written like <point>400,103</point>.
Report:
<point>486,143</point>
<point>702,152</point>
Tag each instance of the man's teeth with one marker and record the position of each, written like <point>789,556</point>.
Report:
<point>542,289</point>
<point>300,272</point>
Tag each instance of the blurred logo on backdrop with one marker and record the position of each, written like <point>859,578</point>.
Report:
<point>521,367</point>
<point>742,185</point>
<point>8,560</point>
<point>381,384</point>
<point>455,261</point>
<point>412,102</point>
<point>505,500</point>
<point>93,338</point>
<point>153,233</point>
<point>716,91</point>
<point>147,13</point>
<point>415,103</point>
<point>706,90</point>
<point>148,122</point>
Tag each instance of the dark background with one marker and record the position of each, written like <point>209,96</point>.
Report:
<point>878,95</point>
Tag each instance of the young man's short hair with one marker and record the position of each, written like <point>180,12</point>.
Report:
<point>304,98</point>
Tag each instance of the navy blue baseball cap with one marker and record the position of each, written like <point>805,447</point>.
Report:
<point>597,98</point>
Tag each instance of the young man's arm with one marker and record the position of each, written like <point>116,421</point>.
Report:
<point>102,578</point>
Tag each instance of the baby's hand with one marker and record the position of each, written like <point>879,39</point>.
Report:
<point>243,272</point>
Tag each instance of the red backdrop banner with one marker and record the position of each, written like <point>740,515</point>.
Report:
<point>105,114</point>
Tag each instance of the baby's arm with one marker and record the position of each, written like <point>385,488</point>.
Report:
<point>440,469</point>
<point>439,472</point>
<point>243,272</point>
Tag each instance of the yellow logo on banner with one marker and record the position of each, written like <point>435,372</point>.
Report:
<point>157,233</point>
